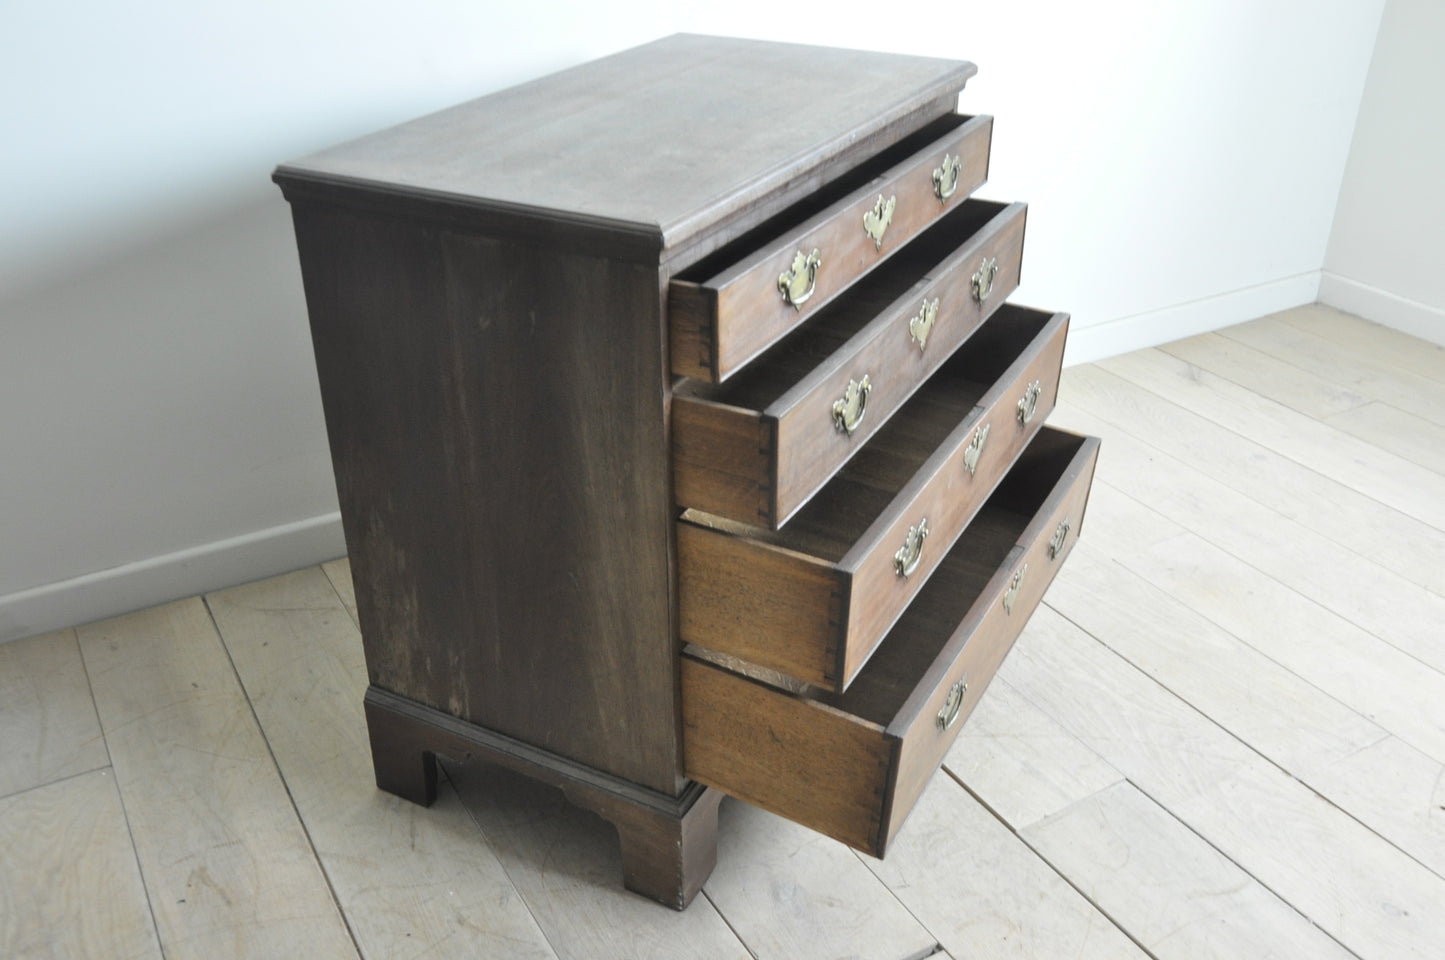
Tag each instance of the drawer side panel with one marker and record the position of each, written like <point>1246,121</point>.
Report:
<point>991,630</point>
<point>722,460</point>
<point>774,607</point>
<point>738,735</point>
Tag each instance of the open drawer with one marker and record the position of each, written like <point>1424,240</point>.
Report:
<point>813,599</point>
<point>756,448</point>
<point>852,765</point>
<point>728,308</point>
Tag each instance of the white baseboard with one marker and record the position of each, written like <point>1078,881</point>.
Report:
<point>1408,316</point>
<point>1101,340</point>
<point>185,573</point>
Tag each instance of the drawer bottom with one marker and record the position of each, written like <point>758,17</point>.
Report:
<point>851,765</point>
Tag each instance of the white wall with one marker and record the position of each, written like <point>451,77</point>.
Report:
<point>160,427</point>
<point>1386,257</point>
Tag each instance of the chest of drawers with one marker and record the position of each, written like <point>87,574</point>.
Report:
<point>683,440</point>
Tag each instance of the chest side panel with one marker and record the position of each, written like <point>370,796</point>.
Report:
<point>496,418</point>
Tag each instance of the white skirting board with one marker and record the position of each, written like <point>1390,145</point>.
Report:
<point>1113,337</point>
<point>1408,316</point>
<point>185,573</point>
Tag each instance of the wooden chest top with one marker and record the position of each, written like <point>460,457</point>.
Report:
<point>664,141</point>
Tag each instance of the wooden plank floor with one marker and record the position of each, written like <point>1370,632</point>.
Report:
<point>1222,736</point>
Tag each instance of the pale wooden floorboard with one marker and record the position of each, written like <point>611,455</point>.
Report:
<point>568,868</point>
<point>1388,606</point>
<point>1290,339</point>
<point>339,573</point>
<point>1020,762</point>
<point>1352,762</point>
<point>1183,899</point>
<point>1405,434</point>
<point>227,865</point>
<point>981,891</point>
<point>1263,703</point>
<point>1224,734</point>
<point>1316,500</point>
<point>792,893</point>
<point>48,727</point>
<point>1395,790</point>
<point>1394,481</point>
<point>412,880</point>
<point>69,884</point>
<point>1391,688</point>
<point>1386,347</point>
<point>1361,890</point>
<point>1266,375</point>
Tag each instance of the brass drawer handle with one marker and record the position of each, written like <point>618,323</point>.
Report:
<point>1011,595</point>
<point>948,716</point>
<point>920,326</point>
<point>1029,402</point>
<point>1056,542</point>
<point>974,450</point>
<point>945,177</point>
<point>797,283</point>
<point>905,561</point>
<point>848,411</point>
<point>983,278</point>
<point>876,221</point>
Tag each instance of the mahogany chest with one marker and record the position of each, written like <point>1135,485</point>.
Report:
<point>683,439</point>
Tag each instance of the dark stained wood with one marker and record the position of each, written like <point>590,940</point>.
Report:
<point>751,597</point>
<point>943,490</point>
<point>669,843</point>
<point>790,391</point>
<point>786,754</point>
<point>746,591</point>
<point>721,456</point>
<point>852,765</point>
<point>682,137</point>
<point>500,296</point>
<point>496,419</point>
<point>736,313</point>
<point>987,644</point>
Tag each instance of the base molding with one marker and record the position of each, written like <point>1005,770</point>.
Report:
<point>1109,339</point>
<point>171,576</point>
<point>669,844</point>
<point>1408,316</point>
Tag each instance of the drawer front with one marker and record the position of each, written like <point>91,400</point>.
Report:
<point>852,766</point>
<point>783,602</point>
<point>760,466</point>
<point>719,323</point>
<point>946,495</point>
<point>1011,598</point>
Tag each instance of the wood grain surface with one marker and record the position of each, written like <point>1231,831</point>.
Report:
<point>565,863</point>
<point>447,396</point>
<point>844,543</point>
<point>47,719</point>
<point>408,879</point>
<point>227,864</point>
<point>846,764</point>
<point>740,311</point>
<point>1183,899</point>
<point>984,893</point>
<point>581,146</point>
<point>69,883</point>
<point>789,392</point>
<point>796,894</point>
